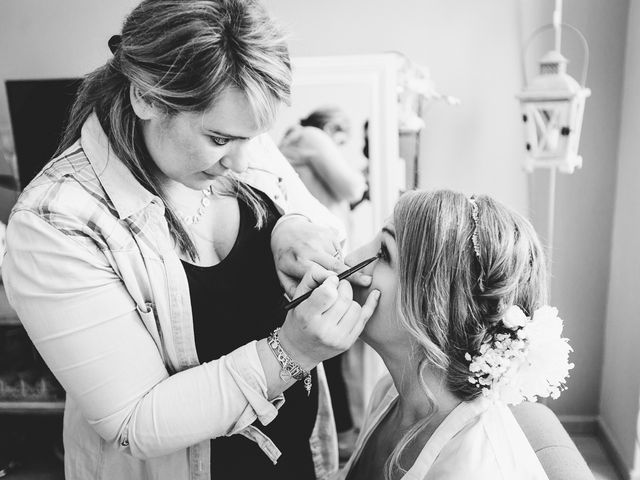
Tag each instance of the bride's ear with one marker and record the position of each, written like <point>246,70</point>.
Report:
<point>142,107</point>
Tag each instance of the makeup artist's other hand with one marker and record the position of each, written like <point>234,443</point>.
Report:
<point>328,322</point>
<point>298,245</point>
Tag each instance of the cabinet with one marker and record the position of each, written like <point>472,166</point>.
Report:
<point>31,404</point>
<point>26,386</point>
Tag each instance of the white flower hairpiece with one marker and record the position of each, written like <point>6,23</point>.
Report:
<point>525,359</point>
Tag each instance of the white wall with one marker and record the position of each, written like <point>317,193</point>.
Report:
<point>619,400</point>
<point>473,50</point>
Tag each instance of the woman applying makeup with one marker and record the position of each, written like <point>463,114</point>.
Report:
<point>146,260</point>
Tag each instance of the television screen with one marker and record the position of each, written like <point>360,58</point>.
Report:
<point>39,110</point>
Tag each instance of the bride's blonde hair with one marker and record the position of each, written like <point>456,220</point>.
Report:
<point>450,296</point>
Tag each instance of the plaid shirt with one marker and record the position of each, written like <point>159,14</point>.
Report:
<point>92,272</point>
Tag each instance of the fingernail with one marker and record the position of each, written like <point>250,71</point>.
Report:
<point>376,295</point>
<point>333,279</point>
<point>366,279</point>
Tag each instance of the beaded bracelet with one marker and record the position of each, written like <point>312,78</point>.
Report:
<point>288,368</point>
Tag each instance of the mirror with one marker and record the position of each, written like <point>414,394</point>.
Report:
<point>362,90</point>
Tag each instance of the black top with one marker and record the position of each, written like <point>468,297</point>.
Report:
<point>234,302</point>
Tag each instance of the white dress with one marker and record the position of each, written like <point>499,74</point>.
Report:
<point>478,439</point>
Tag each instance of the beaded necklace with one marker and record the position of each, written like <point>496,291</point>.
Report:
<point>204,203</point>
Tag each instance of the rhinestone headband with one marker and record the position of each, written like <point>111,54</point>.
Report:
<point>475,242</point>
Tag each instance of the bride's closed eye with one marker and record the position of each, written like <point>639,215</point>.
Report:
<point>383,253</point>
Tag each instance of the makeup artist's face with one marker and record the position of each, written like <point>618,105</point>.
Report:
<point>383,327</point>
<point>194,148</point>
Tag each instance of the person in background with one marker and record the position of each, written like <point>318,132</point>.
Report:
<point>463,328</point>
<point>149,260</point>
<point>314,150</point>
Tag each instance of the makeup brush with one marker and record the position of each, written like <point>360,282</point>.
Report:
<point>297,301</point>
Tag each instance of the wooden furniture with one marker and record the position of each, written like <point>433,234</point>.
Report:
<point>31,405</point>
<point>39,395</point>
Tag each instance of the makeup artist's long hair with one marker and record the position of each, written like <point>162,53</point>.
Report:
<point>181,54</point>
<point>444,304</point>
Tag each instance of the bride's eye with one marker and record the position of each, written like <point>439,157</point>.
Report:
<point>383,253</point>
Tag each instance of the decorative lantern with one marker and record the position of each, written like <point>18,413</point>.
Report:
<point>552,108</point>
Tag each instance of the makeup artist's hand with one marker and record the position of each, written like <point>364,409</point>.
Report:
<point>328,322</point>
<point>299,245</point>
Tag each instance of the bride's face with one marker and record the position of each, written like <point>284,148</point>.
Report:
<point>383,326</point>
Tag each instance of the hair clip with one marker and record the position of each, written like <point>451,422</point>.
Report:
<point>114,43</point>
<point>474,240</point>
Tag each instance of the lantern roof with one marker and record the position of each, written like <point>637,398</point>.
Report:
<point>553,62</point>
<point>553,82</point>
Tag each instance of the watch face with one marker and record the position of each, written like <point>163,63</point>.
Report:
<point>285,376</point>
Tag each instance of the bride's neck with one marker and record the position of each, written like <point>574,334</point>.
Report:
<point>410,383</point>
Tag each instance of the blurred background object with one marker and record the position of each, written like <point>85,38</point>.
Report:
<point>8,158</point>
<point>416,89</point>
<point>416,93</point>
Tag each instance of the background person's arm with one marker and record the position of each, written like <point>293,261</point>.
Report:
<point>313,147</point>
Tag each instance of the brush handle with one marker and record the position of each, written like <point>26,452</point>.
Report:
<point>297,301</point>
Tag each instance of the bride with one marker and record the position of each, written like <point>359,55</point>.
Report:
<point>462,327</point>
